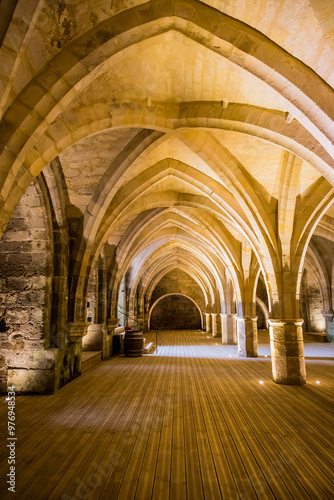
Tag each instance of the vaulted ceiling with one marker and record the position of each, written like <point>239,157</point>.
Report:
<point>192,135</point>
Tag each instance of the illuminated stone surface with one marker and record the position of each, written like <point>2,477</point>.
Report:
<point>156,148</point>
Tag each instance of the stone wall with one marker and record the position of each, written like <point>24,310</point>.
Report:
<point>175,312</point>
<point>35,356</point>
<point>177,281</point>
<point>25,291</point>
<point>26,275</point>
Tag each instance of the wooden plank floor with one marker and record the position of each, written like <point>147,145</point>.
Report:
<point>189,422</point>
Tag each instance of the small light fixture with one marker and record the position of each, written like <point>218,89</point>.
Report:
<point>261,382</point>
<point>230,356</point>
<point>318,382</point>
<point>207,337</point>
<point>265,356</point>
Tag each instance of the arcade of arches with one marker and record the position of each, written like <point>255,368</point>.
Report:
<point>160,156</point>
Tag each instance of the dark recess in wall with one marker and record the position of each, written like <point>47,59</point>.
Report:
<point>175,312</point>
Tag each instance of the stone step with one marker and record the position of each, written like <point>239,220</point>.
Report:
<point>147,347</point>
<point>316,336</point>
<point>90,359</point>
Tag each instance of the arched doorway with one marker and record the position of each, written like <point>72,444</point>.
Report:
<point>175,312</point>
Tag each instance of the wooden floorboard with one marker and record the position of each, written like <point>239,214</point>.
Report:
<point>190,421</point>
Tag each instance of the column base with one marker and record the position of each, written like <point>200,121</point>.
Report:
<point>287,351</point>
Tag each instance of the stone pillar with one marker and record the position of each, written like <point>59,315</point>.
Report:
<point>208,322</point>
<point>223,323</point>
<point>247,336</point>
<point>231,321</point>
<point>329,317</point>
<point>287,351</point>
<point>214,323</point>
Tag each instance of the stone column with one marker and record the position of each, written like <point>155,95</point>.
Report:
<point>247,336</point>
<point>208,322</point>
<point>223,322</point>
<point>287,351</point>
<point>329,317</point>
<point>214,325</point>
<point>231,321</point>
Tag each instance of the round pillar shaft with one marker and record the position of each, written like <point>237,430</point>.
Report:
<point>287,351</point>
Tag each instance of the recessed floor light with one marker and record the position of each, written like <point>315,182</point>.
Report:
<point>261,382</point>
<point>318,382</point>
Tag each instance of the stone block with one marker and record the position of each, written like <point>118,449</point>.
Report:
<point>32,360</point>
<point>7,247</point>
<point>16,236</point>
<point>16,284</point>
<point>32,381</point>
<point>93,341</point>
<point>18,316</point>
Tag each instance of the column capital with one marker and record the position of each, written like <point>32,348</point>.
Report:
<point>112,323</point>
<point>246,318</point>
<point>294,321</point>
<point>329,315</point>
<point>77,330</point>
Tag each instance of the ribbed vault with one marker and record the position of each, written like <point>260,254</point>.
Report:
<point>177,142</point>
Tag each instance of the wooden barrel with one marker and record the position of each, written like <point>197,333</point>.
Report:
<point>133,344</point>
